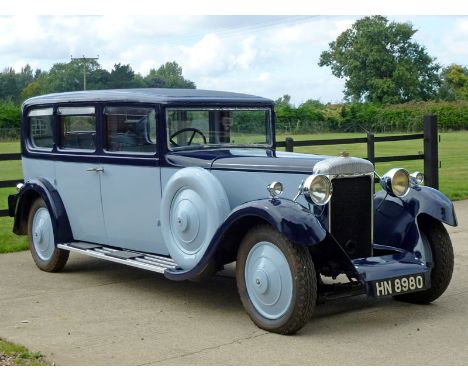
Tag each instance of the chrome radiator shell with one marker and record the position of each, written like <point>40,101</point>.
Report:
<point>343,166</point>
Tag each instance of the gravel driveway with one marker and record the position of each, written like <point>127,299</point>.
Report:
<point>99,313</point>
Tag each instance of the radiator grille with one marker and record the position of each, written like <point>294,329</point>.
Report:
<point>351,215</point>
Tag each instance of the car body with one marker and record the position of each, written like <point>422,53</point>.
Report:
<point>183,182</point>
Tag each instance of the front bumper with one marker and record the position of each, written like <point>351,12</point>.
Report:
<point>390,267</point>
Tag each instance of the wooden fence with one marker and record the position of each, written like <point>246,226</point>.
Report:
<point>430,155</point>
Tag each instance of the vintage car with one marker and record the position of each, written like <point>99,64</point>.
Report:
<point>183,182</point>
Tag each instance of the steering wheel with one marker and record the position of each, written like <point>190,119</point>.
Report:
<point>189,142</point>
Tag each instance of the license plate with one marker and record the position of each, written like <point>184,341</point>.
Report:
<point>399,285</point>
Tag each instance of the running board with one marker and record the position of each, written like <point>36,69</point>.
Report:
<point>150,262</point>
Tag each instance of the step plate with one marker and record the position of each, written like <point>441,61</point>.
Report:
<point>149,262</point>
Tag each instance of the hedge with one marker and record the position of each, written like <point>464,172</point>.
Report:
<point>316,117</point>
<point>358,117</point>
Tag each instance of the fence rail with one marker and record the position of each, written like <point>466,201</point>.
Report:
<point>430,156</point>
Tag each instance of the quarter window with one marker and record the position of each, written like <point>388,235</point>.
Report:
<point>41,128</point>
<point>77,128</point>
<point>130,129</point>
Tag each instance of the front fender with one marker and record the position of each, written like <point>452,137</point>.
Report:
<point>297,223</point>
<point>294,221</point>
<point>396,220</point>
<point>33,189</point>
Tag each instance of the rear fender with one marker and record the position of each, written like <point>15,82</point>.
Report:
<point>42,188</point>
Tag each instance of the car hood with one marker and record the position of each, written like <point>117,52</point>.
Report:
<point>246,160</point>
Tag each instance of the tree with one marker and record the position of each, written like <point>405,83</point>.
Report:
<point>62,77</point>
<point>31,90</point>
<point>12,83</point>
<point>168,75</point>
<point>454,83</point>
<point>123,77</point>
<point>381,63</point>
<point>98,79</point>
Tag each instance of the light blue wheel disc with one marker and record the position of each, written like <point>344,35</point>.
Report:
<point>43,234</point>
<point>268,280</point>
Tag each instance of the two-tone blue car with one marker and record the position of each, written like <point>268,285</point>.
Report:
<point>182,182</point>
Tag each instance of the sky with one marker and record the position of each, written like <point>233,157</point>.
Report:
<point>263,55</point>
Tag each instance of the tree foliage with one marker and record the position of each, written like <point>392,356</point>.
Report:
<point>62,77</point>
<point>454,83</point>
<point>168,75</point>
<point>381,63</point>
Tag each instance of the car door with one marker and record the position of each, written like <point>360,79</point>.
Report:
<point>130,182</point>
<point>77,172</point>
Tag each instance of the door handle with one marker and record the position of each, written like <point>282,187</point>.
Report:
<point>96,169</point>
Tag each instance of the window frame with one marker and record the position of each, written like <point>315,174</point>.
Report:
<point>58,134</point>
<point>29,144</point>
<point>103,133</point>
<point>188,107</point>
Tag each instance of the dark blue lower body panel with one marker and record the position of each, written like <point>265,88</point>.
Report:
<point>380,268</point>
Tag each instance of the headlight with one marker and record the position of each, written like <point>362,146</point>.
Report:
<point>417,178</point>
<point>275,189</point>
<point>396,182</point>
<point>317,189</point>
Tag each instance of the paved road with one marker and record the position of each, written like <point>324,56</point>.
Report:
<point>98,313</point>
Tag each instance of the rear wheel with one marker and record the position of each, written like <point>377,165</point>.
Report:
<point>276,281</point>
<point>437,247</point>
<point>41,239</point>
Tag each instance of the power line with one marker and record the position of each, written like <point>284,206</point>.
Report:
<point>84,60</point>
<point>239,30</point>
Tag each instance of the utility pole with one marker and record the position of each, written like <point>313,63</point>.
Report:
<point>84,60</point>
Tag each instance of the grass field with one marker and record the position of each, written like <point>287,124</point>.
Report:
<point>17,355</point>
<point>453,152</point>
<point>9,242</point>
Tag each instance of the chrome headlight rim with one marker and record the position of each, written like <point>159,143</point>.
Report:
<point>275,189</point>
<point>311,187</point>
<point>389,182</point>
<point>417,178</point>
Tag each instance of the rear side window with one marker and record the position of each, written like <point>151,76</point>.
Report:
<point>130,129</point>
<point>41,123</point>
<point>77,128</point>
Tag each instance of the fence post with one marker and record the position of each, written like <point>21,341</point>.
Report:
<point>431,152</point>
<point>289,143</point>
<point>370,148</point>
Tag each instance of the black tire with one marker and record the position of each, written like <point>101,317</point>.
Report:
<point>59,257</point>
<point>443,259</point>
<point>304,291</point>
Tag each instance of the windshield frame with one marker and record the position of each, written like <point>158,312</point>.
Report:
<point>269,133</point>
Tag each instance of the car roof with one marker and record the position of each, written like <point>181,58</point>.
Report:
<point>150,95</point>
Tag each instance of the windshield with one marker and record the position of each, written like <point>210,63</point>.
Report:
<point>218,127</point>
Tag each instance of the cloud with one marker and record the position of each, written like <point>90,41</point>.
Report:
<point>264,55</point>
<point>315,31</point>
<point>455,41</point>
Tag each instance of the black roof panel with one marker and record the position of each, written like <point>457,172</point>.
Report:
<point>151,95</point>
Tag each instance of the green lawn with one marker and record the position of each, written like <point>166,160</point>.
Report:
<point>17,355</point>
<point>453,152</point>
<point>9,242</point>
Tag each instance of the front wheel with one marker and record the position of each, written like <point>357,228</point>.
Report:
<point>276,280</point>
<point>437,247</point>
<point>41,239</point>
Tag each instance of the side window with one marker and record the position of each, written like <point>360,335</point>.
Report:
<point>41,122</point>
<point>77,128</point>
<point>130,129</point>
